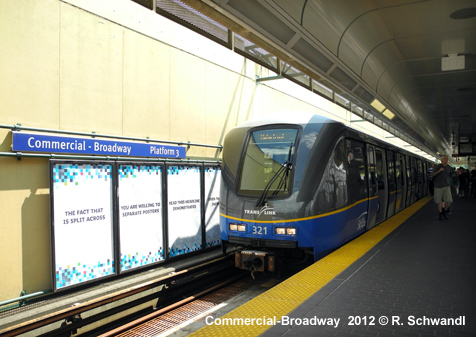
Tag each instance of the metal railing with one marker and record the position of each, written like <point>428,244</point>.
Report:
<point>19,155</point>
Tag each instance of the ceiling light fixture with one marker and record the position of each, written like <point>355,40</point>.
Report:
<point>377,105</point>
<point>452,62</point>
<point>387,113</point>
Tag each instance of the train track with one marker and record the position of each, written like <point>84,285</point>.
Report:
<point>181,314</point>
<point>113,309</point>
<point>177,302</point>
<point>190,314</point>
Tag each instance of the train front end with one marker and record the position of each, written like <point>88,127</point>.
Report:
<point>263,165</point>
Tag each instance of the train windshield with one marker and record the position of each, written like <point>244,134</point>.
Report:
<point>267,162</point>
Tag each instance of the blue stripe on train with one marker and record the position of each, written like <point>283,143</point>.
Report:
<point>323,234</point>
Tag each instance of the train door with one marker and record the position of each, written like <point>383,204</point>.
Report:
<point>410,187</point>
<point>401,182</point>
<point>382,185</point>
<point>373,187</point>
<point>392,183</point>
<point>357,188</point>
<point>415,182</point>
<point>425,178</point>
<point>412,177</point>
<point>420,178</point>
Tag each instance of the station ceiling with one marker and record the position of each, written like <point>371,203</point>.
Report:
<point>416,57</point>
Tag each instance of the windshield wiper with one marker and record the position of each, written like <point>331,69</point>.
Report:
<point>284,173</point>
<point>284,178</point>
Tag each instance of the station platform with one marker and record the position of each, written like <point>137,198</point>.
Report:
<point>412,275</point>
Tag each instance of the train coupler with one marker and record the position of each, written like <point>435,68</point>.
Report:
<point>255,260</point>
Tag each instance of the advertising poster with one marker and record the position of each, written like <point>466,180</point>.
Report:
<point>140,215</point>
<point>82,222</point>
<point>212,206</point>
<point>183,209</point>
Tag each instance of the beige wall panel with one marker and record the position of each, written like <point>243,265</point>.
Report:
<point>230,98</point>
<point>35,224</point>
<point>29,57</point>
<point>274,101</point>
<point>146,87</point>
<point>29,94</point>
<point>91,52</point>
<point>10,241</point>
<point>25,227</point>
<point>275,98</point>
<point>187,97</point>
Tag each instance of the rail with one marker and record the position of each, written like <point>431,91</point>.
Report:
<point>22,298</point>
<point>159,312</point>
<point>19,127</point>
<point>68,314</point>
<point>20,155</point>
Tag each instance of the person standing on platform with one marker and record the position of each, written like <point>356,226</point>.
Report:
<point>442,195</point>
<point>472,175</point>
<point>463,177</point>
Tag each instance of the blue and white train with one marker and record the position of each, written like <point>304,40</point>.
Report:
<point>308,184</point>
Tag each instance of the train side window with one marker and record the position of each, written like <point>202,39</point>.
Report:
<point>332,193</point>
<point>379,168</point>
<point>391,170</point>
<point>398,170</point>
<point>356,177</point>
<point>339,175</point>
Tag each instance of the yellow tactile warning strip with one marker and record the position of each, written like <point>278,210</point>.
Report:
<point>263,311</point>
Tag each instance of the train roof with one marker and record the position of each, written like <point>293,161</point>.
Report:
<point>303,118</point>
<point>287,117</point>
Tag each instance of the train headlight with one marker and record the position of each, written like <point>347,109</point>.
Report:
<point>285,231</point>
<point>237,227</point>
<point>291,231</point>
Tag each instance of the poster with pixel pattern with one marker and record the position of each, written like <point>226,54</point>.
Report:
<point>184,213</point>
<point>140,215</point>
<point>82,222</point>
<point>212,205</point>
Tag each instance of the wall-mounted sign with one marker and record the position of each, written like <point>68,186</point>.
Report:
<point>36,142</point>
<point>466,149</point>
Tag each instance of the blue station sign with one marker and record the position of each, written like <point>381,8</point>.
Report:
<point>34,142</point>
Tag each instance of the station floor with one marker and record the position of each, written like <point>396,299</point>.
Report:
<point>413,275</point>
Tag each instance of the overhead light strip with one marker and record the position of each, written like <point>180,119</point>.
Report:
<point>377,105</point>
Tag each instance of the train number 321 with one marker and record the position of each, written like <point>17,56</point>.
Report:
<point>258,230</point>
